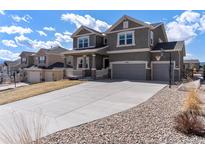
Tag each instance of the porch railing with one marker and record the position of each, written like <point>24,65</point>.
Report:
<point>101,73</point>
<point>73,73</point>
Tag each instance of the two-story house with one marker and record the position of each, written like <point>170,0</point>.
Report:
<point>192,64</point>
<point>27,59</point>
<point>130,50</point>
<point>48,65</point>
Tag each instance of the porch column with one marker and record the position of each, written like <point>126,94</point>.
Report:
<point>93,71</point>
<point>84,66</point>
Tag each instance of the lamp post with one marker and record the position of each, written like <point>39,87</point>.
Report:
<point>170,69</point>
<point>14,75</point>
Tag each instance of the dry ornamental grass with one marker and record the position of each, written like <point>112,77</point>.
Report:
<point>192,103</point>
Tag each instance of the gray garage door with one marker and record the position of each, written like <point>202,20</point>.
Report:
<point>161,72</point>
<point>129,71</point>
<point>34,77</point>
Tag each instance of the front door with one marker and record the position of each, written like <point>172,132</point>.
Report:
<point>106,63</point>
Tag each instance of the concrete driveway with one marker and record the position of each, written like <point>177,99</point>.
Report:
<point>79,104</point>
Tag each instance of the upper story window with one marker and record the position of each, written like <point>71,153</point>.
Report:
<point>42,59</point>
<point>151,38</point>
<point>23,60</point>
<point>125,24</point>
<point>126,38</point>
<point>83,42</point>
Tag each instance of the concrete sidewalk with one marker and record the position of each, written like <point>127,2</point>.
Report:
<point>11,86</point>
<point>78,104</point>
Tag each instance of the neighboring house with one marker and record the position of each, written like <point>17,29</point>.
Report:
<point>130,49</point>
<point>48,65</point>
<point>27,59</point>
<point>191,64</point>
<point>12,66</point>
<point>46,57</point>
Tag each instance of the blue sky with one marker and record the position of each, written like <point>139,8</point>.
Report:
<point>31,30</point>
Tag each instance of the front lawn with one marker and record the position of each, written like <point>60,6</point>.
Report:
<point>34,89</point>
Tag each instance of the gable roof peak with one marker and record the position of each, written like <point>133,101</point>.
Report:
<point>131,19</point>
<point>86,28</point>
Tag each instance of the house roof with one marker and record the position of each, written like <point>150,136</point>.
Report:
<point>56,65</point>
<point>86,51</point>
<point>193,61</point>
<point>13,63</point>
<point>156,24</point>
<point>128,18</point>
<point>86,28</point>
<point>55,50</point>
<point>26,53</point>
<point>176,46</point>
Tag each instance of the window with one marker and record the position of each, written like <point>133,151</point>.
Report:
<point>125,24</point>
<point>69,60</point>
<point>42,59</point>
<point>105,41</point>
<point>151,38</point>
<point>23,60</point>
<point>126,38</point>
<point>83,42</point>
<point>80,62</point>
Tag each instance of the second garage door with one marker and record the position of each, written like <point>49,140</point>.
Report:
<point>129,71</point>
<point>48,76</point>
<point>34,77</point>
<point>161,72</point>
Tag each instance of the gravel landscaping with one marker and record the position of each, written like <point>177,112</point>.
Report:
<point>149,122</point>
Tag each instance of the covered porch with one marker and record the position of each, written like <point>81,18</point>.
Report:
<point>92,63</point>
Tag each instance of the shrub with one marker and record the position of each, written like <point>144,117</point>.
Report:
<point>190,124</point>
<point>192,103</point>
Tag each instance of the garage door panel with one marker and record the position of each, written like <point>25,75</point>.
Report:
<point>34,77</point>
<point>129,71</point>
<point>161,72</point>
<point>49,76</point>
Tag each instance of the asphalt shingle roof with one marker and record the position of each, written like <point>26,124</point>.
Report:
<point>177,45</point>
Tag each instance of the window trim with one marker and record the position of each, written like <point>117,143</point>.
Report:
<point>125,24</point>
<point>125,33</point>
<point>24,60</point>
<point>83,37</point>
<point>42,61</point>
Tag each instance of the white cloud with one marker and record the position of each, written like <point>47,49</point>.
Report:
<point>8,55</point>
<point>185,26</point>
<point>202,23</point>
<point>14,30</point>
<point>35,44</point>
<point>9,43</point>
<point>41,33</point>
<point>177,31</point>
<point>188,17</point>
<point>67,33</point>
<point>49,28</point>
<point>63,37</point>
<point>86,20</point>
<point>25,18</point>
<point>190,56</point>
<point>2,12</point>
